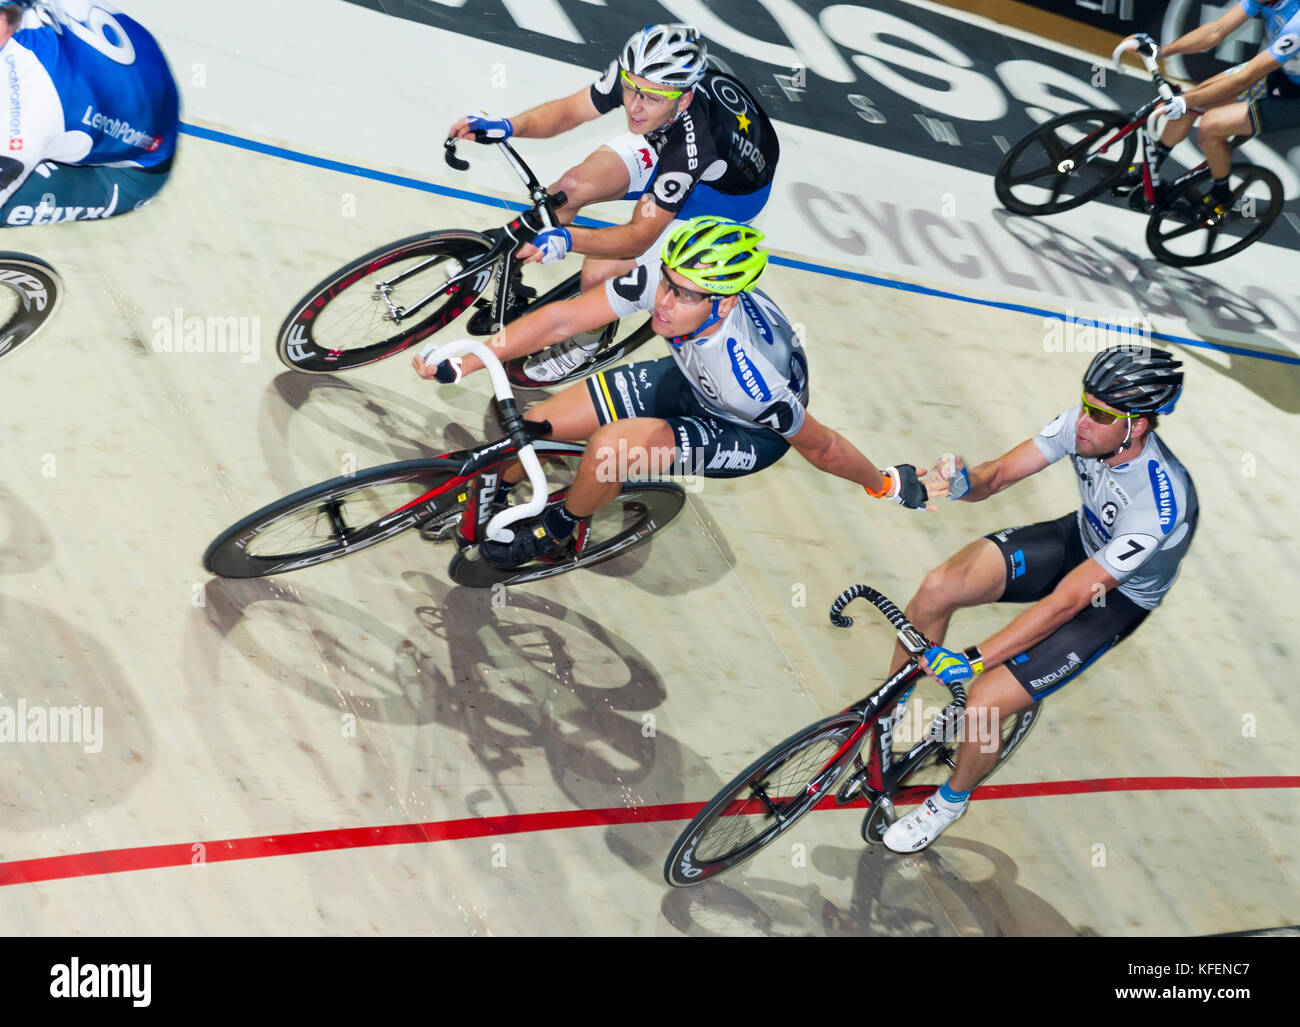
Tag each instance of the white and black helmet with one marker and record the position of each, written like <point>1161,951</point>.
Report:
<point>1135,380</point>
<point>668,55</point>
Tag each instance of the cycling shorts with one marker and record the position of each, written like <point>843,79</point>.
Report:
<point>642,163</point>
<point>1037,558</point>
<point>706,445</point>
<point>1273,102</point>
<point>70,192</point>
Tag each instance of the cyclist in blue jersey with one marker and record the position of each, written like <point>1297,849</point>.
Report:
<point>91,112</point>
<point>1252,98</point>
<point>1091,576</point>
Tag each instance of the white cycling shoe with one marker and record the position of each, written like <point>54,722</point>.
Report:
<point>922,826</point>
<point>563,358</point>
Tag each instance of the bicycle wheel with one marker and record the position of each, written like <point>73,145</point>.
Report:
<point>936,763</point>
<point>612,349</point>
<point>762,801</point>
<point>350,319</point>
<point>1049,170</point>
<point>335,518</point>
<point>634,515</point>
<point>32,293</point>
<point>1178,237</point>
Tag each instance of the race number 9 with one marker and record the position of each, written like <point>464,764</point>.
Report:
<point>102,33</point>
<point>672,186</point>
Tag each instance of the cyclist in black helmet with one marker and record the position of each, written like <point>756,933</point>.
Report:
<point>1092,575</point>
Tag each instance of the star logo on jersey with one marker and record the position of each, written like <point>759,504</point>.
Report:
<point>743,122</point>
<point>15,144</point>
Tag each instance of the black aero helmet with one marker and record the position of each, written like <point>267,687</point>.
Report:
<point>1135,380</point>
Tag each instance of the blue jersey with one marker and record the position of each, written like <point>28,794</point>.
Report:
<point>84,84</point>
<point>1282,26</point>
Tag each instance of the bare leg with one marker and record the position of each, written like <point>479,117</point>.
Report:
<point>975,575</point>
<point>1217,126</point>
<point>993,697</point>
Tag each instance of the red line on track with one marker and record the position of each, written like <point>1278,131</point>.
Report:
<point>153,857</point>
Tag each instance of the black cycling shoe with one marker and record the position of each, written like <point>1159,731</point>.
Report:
<point>1128,182</point>
<point>521,297</point>
<point>531,542</point>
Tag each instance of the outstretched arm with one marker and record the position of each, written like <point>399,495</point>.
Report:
<point>539,328</point>
<point>546,120</point>
<point>990,478</point>
<point>1209,35</point>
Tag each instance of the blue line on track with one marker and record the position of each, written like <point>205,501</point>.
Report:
<point>226,139</point>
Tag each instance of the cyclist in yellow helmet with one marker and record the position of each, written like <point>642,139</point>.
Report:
<point>729,400</point>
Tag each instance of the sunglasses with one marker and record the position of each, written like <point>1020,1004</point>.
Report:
<point>683,295</point>
<point>1104,417</point>
<point>631,87</point>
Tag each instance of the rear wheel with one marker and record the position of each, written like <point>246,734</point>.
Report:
<point>337,518</point>
<point>31,294</point>
<point>763,801</point>
<point>1180,235</point>
<point>1061,164</point>
<point>361,313</point>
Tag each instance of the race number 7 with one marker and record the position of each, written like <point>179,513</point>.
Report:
<point>1126,547</point>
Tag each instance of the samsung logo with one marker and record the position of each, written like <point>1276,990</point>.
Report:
<point>1163,490</point>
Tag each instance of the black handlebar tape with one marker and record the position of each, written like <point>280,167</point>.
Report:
<point>449,152</point>
<point>558,200</point>
<point>891,612</point>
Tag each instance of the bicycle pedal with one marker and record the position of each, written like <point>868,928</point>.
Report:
<point>878,821</point>
<point>439,529</point>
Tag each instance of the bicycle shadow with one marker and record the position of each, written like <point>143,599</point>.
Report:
<point>1211,311</point>
<point>931,894</point>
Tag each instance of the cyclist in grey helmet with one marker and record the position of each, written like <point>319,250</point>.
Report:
<point>698,143</point>
<point>1092,575</point>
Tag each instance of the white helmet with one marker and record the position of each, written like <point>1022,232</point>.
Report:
<point>668,55</point>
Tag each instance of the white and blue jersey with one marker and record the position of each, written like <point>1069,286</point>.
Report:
<point>1137,519</point>
<point>1282,27</point>
<point>85,86</point>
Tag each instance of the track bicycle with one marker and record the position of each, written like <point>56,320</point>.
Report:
<point>824,764</point>
<point>31,293</point>
<point>448,498</point>
<point>402,293</point>
<point>1076,157</point>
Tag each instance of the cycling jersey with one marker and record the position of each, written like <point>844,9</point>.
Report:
<point>1282,26</point>
<point>751,371</point>
<point>723,138</point>
<point>84,86</point>
<point>1137,519</point>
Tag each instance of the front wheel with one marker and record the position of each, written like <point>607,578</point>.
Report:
<point>1064,163</point>
<point>384,302</point>
<point>336,518</point>
<point>763,800</point>
<point>32,293</point>
<point>1181,234</point>
<point>623,524</point>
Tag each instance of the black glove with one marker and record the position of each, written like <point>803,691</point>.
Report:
<point>907,489</point>
<point>528,225</point>
<point>1146,45</point>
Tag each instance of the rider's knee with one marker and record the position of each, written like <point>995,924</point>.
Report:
<point>937,589</point>
<point>573,183</point>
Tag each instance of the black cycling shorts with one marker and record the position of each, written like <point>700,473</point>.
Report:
<point>55,193</point>
<point>707,446</point>
<point>1038,557</point>
<point>1275,107</point>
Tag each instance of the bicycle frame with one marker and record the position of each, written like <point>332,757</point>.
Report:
<point>504,247</point>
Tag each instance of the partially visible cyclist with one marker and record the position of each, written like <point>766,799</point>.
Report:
<point>1254,98</point>
<point>698,143</point>
<point>730,400</point>
<point>92,112</point>
<point>1092,575</point>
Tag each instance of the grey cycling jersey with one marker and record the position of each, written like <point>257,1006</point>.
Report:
<point>1137,519</point>
<point>751,371</point>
